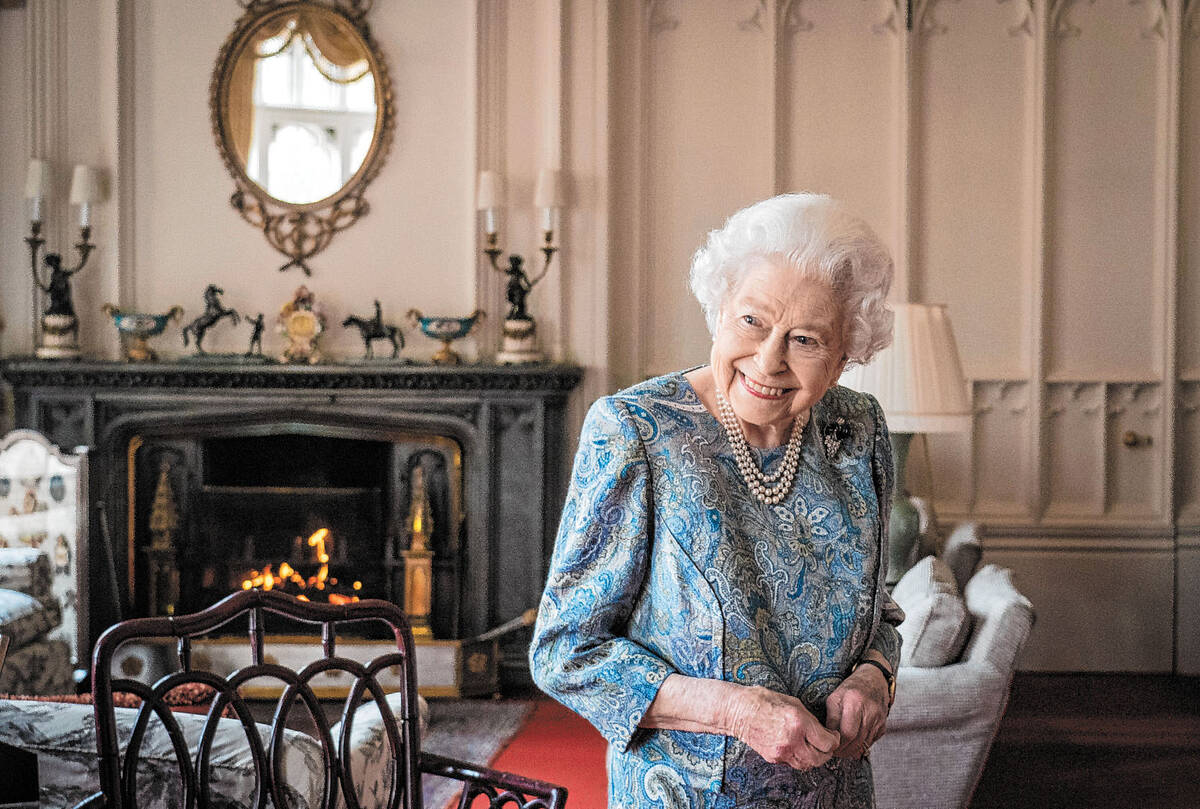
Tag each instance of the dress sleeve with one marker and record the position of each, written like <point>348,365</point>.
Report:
<point>580,654</point>
<point>886,639</point>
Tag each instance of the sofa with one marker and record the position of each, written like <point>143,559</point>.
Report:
<point>965,626</point>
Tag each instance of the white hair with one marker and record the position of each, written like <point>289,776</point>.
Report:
<point>818,238</point>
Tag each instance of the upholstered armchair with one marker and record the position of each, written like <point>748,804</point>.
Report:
<point>964,629</point>
<point>42,551</point>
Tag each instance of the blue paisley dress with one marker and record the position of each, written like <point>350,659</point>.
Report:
<point>666,563</point>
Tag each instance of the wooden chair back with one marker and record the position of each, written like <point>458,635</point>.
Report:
<point>119,769</point>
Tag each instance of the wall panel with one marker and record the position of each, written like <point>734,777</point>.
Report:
<point>1135,451</point>
<point>1105,132</point>
<point>413,249</point>
<point>1075,446</point>
<point>1097,609</point>
<point>1187,639</point>
<point>837,109</point>
<point>1188,327</point>
<point>709,147</point>
<point>971,109</point>
<point>1187,444</point>
<point>1002,473</point>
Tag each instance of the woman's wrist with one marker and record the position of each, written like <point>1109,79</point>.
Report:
<point>884,673</point>
<point>698,704</point>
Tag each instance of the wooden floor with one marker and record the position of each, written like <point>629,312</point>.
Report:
<point>1108,740</point>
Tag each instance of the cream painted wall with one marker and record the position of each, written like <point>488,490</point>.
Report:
<point>15,311</point>
<point>177,229</point>
<point>1030,162</point>
<point>414,249</point>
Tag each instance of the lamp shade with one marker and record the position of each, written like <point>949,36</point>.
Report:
<point>548,191</point>
<point>37,179</point>
<point>918,379</point>
<point>85,185</point>
<point>490,191</point>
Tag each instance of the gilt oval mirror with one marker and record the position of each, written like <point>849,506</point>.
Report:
<point>302,113</point>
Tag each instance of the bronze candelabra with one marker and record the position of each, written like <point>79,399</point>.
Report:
<point>520,343</point>
<point>58,324</point>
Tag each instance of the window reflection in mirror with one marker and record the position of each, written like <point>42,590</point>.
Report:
<point>314,109</point>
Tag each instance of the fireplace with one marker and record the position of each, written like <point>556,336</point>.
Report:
<point>204,474</point>
<point>323,512</point>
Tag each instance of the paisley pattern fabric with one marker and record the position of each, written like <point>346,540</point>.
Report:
<point>665,563</point>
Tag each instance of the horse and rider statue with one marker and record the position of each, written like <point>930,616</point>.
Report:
<point>213,312</point>
<point>371,329</point>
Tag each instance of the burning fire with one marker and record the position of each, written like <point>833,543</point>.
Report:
<point>267,579</point>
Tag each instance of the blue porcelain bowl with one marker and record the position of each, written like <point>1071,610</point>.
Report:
<point>142,324</point>
<point>446,328</point>
<point>138,327</point>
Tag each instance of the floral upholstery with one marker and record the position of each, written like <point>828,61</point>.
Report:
<point>40,515</point>
<point>41,499</point>
<point>37,662</point>
<point>43,667</point>
<point>370,763</point>
<point>64,739</point>
<point>26,570</point>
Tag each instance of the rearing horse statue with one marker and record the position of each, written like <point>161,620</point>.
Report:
<point>213,311</point>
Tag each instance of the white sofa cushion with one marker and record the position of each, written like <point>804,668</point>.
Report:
<point>936,622</point>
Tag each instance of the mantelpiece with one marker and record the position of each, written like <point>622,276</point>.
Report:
<point>508,422</point>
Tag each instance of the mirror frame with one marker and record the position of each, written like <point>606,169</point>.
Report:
<point>301,230</point>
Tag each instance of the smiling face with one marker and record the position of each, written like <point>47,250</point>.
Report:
<point>777,348</point>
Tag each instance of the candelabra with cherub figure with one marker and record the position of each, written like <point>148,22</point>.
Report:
<point>519,341</point>
<point>58,325</point>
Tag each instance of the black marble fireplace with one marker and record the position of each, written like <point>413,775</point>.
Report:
<point>206,473</point>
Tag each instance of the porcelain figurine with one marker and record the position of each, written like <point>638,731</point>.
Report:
<point>446,329</point>
<point>301,320</point>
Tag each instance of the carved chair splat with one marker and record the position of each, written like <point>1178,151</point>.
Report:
<point>119,769</point>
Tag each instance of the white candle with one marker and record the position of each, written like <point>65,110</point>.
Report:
<point>84,214</point>
<point>489,220</point>
<point>36,213</point>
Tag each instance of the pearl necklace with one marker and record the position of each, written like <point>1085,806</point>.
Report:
<point>767,489</point>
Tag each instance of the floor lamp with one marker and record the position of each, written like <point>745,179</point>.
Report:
<point>919,382</point>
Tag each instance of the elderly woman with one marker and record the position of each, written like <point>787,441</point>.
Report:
<point>715,602</point>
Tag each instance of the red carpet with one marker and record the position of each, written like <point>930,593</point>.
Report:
<point>557,745</point>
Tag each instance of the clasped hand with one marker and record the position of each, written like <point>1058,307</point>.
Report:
<point>783,731</point>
